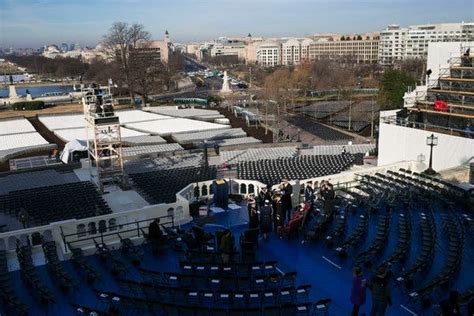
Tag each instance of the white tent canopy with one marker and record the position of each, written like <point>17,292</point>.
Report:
<point>71,147</point>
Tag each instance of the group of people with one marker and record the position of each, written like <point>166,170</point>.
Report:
<point>273,210</point>
<point>378,286</point>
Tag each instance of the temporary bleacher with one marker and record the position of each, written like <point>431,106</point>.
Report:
<point>70,134</point>
<point>338,149</point>
<point>236,141</point>
<point>162,186</point>
<point>198,114</point>
<point>303,167</point>
<point>15,125</point>
<point>319,130</point>
<point>173,126</point>
<point>29,180</point>
<point>424,215</point>
<point>54,203</point>
<point>186,138</point>
<point>360,115</point>
<point>146,150</point>
<point>18,136</point>
<point>455,89</point>
<point>254,154</point>
<point>163,163</point>
<point>323,109</point>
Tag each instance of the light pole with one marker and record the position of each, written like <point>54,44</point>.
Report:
<point>431,141</point>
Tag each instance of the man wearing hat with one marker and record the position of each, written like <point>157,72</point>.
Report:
<point>286,191</point>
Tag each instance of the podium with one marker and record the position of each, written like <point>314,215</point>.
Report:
<point>221,193</point>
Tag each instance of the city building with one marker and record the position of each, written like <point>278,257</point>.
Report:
<point>268,54</point>
<point>359,48</point>
<point>399,43</point>
<point>228,47</point>
<point>64,47</point>
<point>161,49</point>
<point>290,52</point>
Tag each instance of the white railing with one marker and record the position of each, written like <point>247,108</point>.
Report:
<point>86,228</point>
<point>106,228</point>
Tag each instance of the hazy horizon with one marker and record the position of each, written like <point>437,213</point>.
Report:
<point>33,23</point>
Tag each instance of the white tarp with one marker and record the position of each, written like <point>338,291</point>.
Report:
<point>71,147</point>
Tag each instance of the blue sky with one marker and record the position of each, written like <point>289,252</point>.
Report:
<point>32,23</point>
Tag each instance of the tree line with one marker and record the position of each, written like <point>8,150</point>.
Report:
<point>286,84</point>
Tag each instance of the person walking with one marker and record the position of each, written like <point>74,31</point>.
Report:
<point>358,292</point>
<point>381,297</point>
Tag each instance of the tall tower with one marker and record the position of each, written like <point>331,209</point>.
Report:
<point>104,141</point>
<point>167,37</point>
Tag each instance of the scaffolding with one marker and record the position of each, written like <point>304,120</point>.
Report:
<point>104,141</point>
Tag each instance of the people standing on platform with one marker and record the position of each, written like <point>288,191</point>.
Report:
<point>328,196</point>
<point>253,214</point>
<point>279,212</point>
<point>358,292</point>
<point>226,246</point>
<point>263,195</point>
<point>24,218</point>
<point>316,189</point>
<point>309,195</point>
<point>266,219</point>
<point>381,297</point>
<point>286,192</point>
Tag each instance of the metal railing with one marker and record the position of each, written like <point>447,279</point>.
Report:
<point>393,120</point>
<point>103,232</point>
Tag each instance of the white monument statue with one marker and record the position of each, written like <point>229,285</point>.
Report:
<point>225,84</point>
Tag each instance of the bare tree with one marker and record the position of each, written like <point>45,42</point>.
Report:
<point>120,41</point>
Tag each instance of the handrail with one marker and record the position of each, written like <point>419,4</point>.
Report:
<point>111,230</point>
<point>413,124</point>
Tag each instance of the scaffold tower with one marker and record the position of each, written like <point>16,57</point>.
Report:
<point>104,142</point>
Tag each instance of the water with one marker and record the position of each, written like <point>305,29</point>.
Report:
<point>37,91</point>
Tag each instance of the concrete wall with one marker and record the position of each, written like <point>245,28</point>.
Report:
<point>440,53</point>
<point>398,143</point>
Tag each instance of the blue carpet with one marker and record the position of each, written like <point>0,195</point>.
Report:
<point>316,264</point>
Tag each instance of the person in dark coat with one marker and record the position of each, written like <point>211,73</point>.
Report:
<point>253,214</point>
<point>381,297</point>
<point>279,212</point>
<point>309,195</point>
<point>226,246</point>
<point>286,192</point>
<point>263,195</point>
<point>155,233</point>
<point>24,218</point>
<point>358,294</point>
<point>329,196</point>
<point>266,219</point>
<point>450,306</point>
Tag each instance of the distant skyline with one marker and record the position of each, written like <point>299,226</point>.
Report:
<point>33,23</point>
